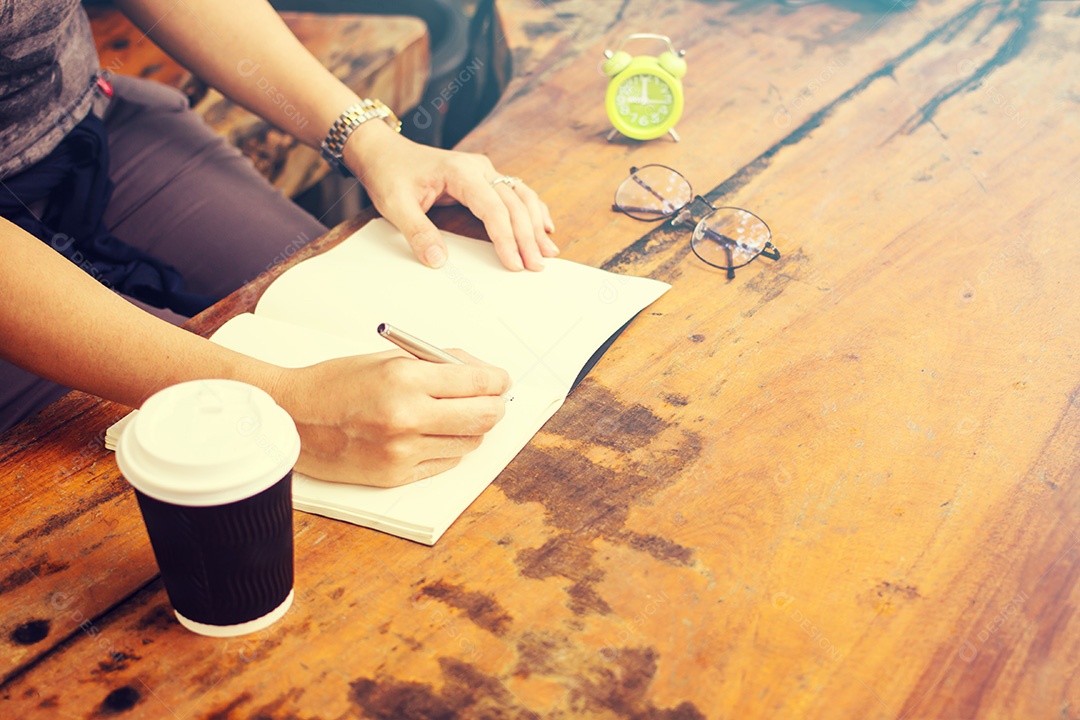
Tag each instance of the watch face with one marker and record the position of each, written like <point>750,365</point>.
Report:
<point>644,101</point>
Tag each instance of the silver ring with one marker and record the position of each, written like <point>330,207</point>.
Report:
<point>508,179</point>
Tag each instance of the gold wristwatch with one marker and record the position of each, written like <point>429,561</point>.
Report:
<point>333,147</point>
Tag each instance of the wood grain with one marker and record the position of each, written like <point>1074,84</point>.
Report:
<point>841,485</point>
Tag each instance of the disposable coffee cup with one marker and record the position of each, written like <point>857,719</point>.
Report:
<point>211,464</point>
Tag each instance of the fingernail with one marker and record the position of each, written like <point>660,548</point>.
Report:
<point>435,256</point>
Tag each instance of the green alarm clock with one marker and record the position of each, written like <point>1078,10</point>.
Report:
<point>645,95</point>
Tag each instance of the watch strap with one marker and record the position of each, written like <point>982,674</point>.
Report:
<point>333,146</point>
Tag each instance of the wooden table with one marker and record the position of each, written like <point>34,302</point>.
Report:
<point>842,485</point>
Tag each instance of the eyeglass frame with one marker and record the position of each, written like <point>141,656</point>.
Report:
<point>678,217</point>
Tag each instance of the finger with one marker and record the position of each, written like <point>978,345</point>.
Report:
<point>539,216</point>
<point>468,358</point>
<point>440,380</point>
<point>445,447</point>
<point>441,453</point>
<point>403,210</point>
<point>469,380</point>
<point>461,416</point>
<point>427,468</point>
<point>484,202</point>
<point>437,380</point>
<point>418,448</point>
<point>524,229</point>
<point>549,225</point>
<point>474,379</point>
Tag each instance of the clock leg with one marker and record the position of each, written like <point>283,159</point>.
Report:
<point>673,134</point>
<point>611,135</point>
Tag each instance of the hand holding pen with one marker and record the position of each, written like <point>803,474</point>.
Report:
<point>422,349</point>
<point>387,420</point>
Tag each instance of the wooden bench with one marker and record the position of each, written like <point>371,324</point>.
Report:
<point>382,56</point>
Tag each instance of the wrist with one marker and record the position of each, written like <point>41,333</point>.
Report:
<point>357,119</point>
<point>364,143</point>
<point>270,378</point>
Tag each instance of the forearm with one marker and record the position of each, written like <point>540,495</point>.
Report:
<point>244,49</point>
<point>61,324</point>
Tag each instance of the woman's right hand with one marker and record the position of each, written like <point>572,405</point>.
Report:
<point>389,419</point>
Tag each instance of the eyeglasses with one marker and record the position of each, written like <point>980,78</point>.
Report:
<point>726,238</point>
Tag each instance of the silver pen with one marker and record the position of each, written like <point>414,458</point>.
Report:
<point>417,347</point>
<point>421,349</point>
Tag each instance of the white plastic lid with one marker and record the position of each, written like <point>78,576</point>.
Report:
<point>207,442</point>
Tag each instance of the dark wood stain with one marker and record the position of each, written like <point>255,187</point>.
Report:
<point>621,686</point>
<point>465,692</point>
<point>659,240</point>
<point>117,661</point>
<point>631,428</point>
<point>659,547</point>
<point>1022,14</point>
<point>160,617</point>
<point>675,399</point>
<point>561,556</point>
<point>481,608</point>
<point>110,486</point>
<point>119,701</point>
<point>225,712</point>
<point>906,591</point>
<point>273,709</point>
<point>389,699</point>
<point>33,571</point>
<point>578,495</point>
<point>598,415</point>
<point>536,651</point>
<point>31,632</point>
<point>586,501</point>
<point>769,284</point>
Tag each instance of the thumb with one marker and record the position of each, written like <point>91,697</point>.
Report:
<point>423,237</point>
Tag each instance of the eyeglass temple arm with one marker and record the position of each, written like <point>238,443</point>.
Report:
<point>727,243</point>
<point>630,208</point>
<point>770,251</point>
<point>649,189</point>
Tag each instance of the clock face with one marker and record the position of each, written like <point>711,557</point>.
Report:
<point>644,101</point>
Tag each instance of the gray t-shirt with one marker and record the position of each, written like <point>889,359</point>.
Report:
<point>48,64</point>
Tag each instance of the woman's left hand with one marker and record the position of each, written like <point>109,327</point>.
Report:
<point>405,179</point>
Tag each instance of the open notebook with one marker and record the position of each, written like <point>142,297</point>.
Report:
<point>543,328</point>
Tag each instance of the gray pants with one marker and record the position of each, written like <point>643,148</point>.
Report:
<point>188,197</point>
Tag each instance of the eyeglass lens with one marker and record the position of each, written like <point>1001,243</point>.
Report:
<point>653,192</point>
<point>727,238</point>
<point>730,238</point>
